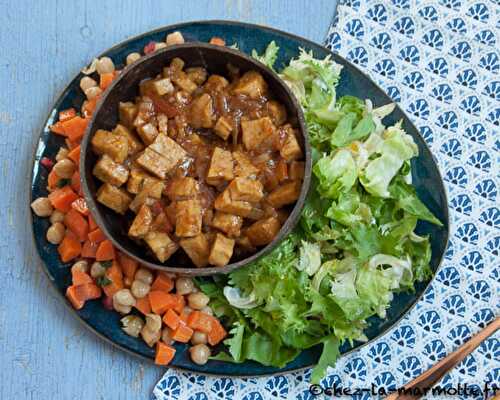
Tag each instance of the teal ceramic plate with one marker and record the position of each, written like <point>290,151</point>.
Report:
<point>426,178</point>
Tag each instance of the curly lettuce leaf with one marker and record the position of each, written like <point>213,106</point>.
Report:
<point>270,55</point>
<point>336,173</point>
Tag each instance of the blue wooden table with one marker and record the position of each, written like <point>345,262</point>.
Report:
<point>45,353</point>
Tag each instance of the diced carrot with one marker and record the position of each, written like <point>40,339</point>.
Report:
<point>80,205</point>
<point>217,41</point>
<point>164,354</point>
<point>179,304</point>
<point>71,144</point>
<point>52,179</point>
<point>73,296</point>
<point>80,278</point>
<point>143,305</point>
<point>67,114</point>
<point>161,301</point>
<point>74,155</point>
<point>105,251</point>
<point>182,333</point>
<point>183,316</point>
<point>115,275</point>
<point>106,79</point>
<point>75,128</point>
<point>217,334</point>
<point>58,128</point>
<point>92,225</point>
<point>163,282</point>
<point>89,249</point>
<point>129,265</point>
<point>78,295</point>
<point>75,182</point>
<point>97,236</point>
<point>71,234</point>
<point>171,319</point>
<point>200,321</point>
<point>89,106</point>
<point>62,198</point>
<point>77,223</point>
<point>69,249</point>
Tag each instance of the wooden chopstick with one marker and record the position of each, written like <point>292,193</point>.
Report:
<point>435,373</point>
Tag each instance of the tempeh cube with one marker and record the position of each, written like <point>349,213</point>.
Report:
<point>147,132</point>
<point>243,165</point>
<point>188,218</point>
<point>223,202</point>
<point>246,189</point>
<point>223,127</point>
<point>134,144</point>
<point>161,244</point>
<point>228,223</point>
<point>111,172</point>
<point>182,188</point>
<point>115,146</point>
<point>221,167</point>
<point>142,222</point>
<point>257,133</point>
<point>221,251</point>
<point>115,198</point>
<point>263,231</point>
<point>291,149</point>
<point>251,84</point>
<point>154,163</point>
<point>197,248</point>
<point>285,194</point>
<point>128,112</point>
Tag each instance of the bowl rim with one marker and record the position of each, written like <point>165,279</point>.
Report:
<point>285,229</point>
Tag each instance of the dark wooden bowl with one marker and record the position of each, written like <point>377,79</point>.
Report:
<point>126,87</point>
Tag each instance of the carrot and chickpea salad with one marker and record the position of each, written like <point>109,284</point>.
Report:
<point>168,308</point>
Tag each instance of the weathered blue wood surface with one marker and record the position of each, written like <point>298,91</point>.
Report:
<point>44,352</point>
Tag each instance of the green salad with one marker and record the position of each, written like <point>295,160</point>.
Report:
<point>355,243</point>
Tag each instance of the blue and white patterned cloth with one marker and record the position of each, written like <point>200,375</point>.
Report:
<point>439,59</point>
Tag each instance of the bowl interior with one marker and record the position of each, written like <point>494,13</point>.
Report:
<point>125,88</point>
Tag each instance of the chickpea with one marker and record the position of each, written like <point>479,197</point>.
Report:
<point>195,290</point>
<point>62,153</point>
<point>198,300</point>
<point>199,338</point>
<point>132,325</point>
<point>56,216</point>
<point>93,92</point>
<point>153,322</point>
<point>166,336</point>
<point>207,310</point>
<point>87,82</point>
<point>42,207</point>
<point>55,233</point>
<point>124,297</point>
<point>132,57</point>
<point>150,337</point>
<point>65,168</point>
<point>139,289</point>
<point>97,270</point>
<point>121,308</point>
<point>81,266</point>
<point>105,65</point>
<point>199,354</point>
<point>184,286</point>
<point>174,38</point>
<point>144,275</point>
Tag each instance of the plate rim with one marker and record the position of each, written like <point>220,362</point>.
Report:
<point>221,22</point>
